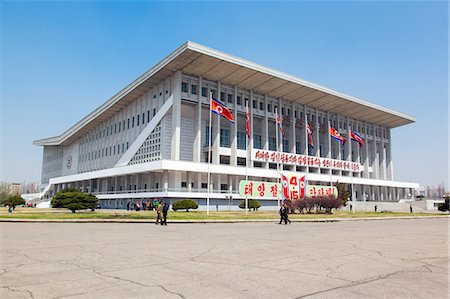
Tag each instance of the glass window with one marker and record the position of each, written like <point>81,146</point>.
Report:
<point>224,137</point>
<point>282,110</point>
<point>261,106</point>
<point>207,134</point>
<point>272,144</point>
<point>204,92</point>
<point>194,89</point>
<point>297,148</point>
<point>222,96</point>
<point>285,145</point>
<point>223,187</point>
<point>148,116</point>
<point>241,161</point>
<point>269,107</point>
<point>239,100</point>
<point>184,87</point>
<point>214,93</point>
<point>183,184</point>
<point>128,123</point>
<point>257,141</point>
<point>137,123</point>
<point>241,140</point>
<point>230,98</point>
<point>143,118</point>
<point>204,185</point>
<point>154,111</point>
<point>255,104</point>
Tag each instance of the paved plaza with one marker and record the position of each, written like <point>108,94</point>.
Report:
<point>355,259</point>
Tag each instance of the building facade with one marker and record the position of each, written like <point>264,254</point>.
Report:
<point>151,139</point>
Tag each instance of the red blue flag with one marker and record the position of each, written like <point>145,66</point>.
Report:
<point>278,121</point>
<point>335,134</point>
<point>247,124</point>
<point>309,131</point>
<point>221,109</point>
<point>356,137</point>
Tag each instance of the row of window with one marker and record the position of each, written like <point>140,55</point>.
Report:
<point>104,152</point>
<point>224,96</point>
<point>137,120</point>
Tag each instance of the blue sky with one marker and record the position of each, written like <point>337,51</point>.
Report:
<point>60,60</point>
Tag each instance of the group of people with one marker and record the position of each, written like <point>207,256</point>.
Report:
<point>145,205</point>
<point>161,209</point>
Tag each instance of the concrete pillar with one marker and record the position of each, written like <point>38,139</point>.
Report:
<point>316,133</point>
<point>233,157</point>
<point>250,142</point>
<point>293,137</point>
<point>198,124</point>
<point>176,116</point>
<point>265,134</point>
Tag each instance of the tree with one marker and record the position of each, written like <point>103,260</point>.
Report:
<point>73,199</point>
<point>184,204</point>
<point>5,191</point>
<point>342,192</point>
<point>13,201</point>
<point>252,204</point>
<point>443,207</point>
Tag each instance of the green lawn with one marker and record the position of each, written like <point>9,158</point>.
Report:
<point>28,213</point>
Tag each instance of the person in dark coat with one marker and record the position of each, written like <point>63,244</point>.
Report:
<point>128,205</point>
<point>165,209</point>
<point>283,214</point>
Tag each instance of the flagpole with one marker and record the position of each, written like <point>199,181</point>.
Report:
<point>278,165</point>
<point>209,155</point>
<point>246,160</point>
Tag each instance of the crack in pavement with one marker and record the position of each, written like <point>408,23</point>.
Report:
<point>361,282</point>
<point>21,291</point>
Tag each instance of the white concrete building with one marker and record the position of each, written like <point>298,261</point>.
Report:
<point>150,140</point>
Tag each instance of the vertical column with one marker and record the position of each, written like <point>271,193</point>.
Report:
<point>165,180</point>
<point>265,134</point>
<point>233,158</point>
<point>339,155</point>
<point>329,136</point>
<point>349,156</point>
<point>316,132</point>
<point>176,116</point>
<point>305,134</point>
<point>293,138</point>
<point>390,166</point>
<point>198,124</point>
<point>250,149</point>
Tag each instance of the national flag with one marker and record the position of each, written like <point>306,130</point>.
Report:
<point>285,186</point>
<point>335,134</point>
<point>247,123</point>
<point>221,109</point>
<point>309,131</point>
<point>356,137</point>
<point>278,121</point>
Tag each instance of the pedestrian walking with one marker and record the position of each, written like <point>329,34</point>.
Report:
<point>286,214</point>
<point>376,208</point>
<point>283,213</point>
<point>411,209</point>
<point>158,213</point>
<point>128,205</point>
<point>165,210</point>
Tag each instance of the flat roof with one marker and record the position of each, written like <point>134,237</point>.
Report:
<point>198,60</point>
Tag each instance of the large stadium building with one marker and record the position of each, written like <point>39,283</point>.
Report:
<point>150,140</point>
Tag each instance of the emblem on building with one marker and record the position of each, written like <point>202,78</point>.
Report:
<point>69,161</point>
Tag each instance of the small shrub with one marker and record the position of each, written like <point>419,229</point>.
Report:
<point>13,201</point>
<point>184,204</point>
<point>74,200</point>
<point>443,207</point>
<point>252,204</point>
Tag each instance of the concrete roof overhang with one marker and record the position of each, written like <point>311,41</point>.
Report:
<point>197,60</point>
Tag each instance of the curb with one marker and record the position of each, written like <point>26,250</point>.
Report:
<point>213,221</point>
